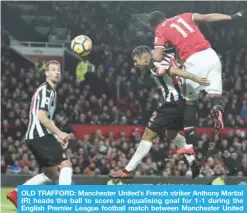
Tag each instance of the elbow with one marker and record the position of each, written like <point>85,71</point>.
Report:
<point>41,117</point>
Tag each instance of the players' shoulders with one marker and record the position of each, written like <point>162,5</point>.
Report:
<point>49,88</point>
<point>187,15</point>
<point>174,18</point>
<point>44,88</point>
<point>160,28</point>
<point>41,87</point>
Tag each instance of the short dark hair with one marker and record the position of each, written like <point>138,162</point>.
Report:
<point>155,18</point>
<point>140,50</point>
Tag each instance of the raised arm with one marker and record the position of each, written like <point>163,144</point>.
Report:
<point>214,17</point>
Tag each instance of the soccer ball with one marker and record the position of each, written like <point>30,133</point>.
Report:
<point>82,45</point>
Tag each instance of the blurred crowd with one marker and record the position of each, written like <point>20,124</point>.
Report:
<point>118,77</point>
<point>117,93</point>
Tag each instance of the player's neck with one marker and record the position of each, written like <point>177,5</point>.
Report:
<point>52,84</point>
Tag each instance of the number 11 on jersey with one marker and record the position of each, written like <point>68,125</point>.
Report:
<point>181,26</point>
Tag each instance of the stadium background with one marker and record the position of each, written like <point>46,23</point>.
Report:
<point>103,100</point>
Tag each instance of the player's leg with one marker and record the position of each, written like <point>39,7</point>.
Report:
<point>191,92</point>
<point>50,155</point>
<point>56,156</point>
<point>51,172</point>
<point>169,116</point>
<point>190,122</point>
<point>36,148</point>
<point>65,176</point>
<point>36,180</point>
<point>207,64</point>
<point>214,90</point>
<point>154,126</point>
<point>180,142</point>
<point>217,112</point>
<point>186,150</point>
<point>141,152</point>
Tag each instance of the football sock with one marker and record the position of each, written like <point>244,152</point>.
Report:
<point>190,135</point>
<point>190,123</point>
<point>65,177</point>
<point>37,180</point>
<point>189,158</point>
<point>219,104</point>
<point>142,150</point>
<point>180,142</point>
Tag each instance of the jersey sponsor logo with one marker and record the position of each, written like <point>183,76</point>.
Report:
<point>47,101</point>
<point>51,111</point>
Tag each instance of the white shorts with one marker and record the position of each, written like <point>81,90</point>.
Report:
<point>203,64</point>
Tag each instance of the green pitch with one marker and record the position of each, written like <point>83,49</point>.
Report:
<point>6,205</point>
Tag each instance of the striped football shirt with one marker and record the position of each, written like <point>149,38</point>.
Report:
<point>44,98</point>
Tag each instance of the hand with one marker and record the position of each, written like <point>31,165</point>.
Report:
<point>238,15</point>
<point>63,137</point>
<point>72,136</point>
<point>202,81</point>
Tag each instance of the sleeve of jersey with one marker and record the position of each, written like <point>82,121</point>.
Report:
<point>163,68</point>
<point>189,16</point>
<point>159,40</point>
<point>44,99</point>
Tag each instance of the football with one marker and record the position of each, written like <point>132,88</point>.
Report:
<point>82,45</point>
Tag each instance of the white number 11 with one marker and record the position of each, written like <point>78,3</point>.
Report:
<point>184,25</point>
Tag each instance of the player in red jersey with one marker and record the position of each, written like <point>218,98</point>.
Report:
<point>198,57</point>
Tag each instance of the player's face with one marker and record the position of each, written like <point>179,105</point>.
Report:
<point>54,73</point>
<point>143,62</point>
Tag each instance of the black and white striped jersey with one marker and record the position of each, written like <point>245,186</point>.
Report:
<point>44,98</point>
<point>170,87</point>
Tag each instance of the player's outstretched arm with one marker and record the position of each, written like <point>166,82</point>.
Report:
<point>214,17</point>
<point>183,74</point>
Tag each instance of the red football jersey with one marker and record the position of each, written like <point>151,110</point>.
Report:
<point>183,33</point>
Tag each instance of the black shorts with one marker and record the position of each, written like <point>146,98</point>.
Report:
<point>47,150</point>
<point>169,116</point>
